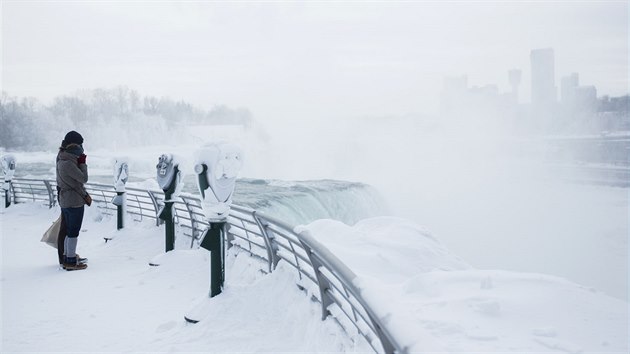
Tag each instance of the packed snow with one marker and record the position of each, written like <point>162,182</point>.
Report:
<point>436,302</point>
<point>430,298</point>
<point>121,304</point>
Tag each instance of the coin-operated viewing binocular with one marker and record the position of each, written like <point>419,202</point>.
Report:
<point>168,177</point>
<point>8,163</point>
<point>121,175</point>
<point>217,166</point>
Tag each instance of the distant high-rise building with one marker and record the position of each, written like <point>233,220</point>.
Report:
<point>586,97</point>
<point>514,77</point>
<point>543,77</point>
<point>568,89</point>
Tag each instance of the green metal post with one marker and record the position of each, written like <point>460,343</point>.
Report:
<point>213,241</point>
<point>7,164</point>
<point>170,231</point>
<point>7,193</point>
<point>7,198</point>
<point>167,212</point>
<point>120,213</point>
<point>167,216</point>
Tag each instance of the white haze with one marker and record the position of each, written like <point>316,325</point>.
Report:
<point>490,197</point>
<point>331,85</point>
<point>290,59</point>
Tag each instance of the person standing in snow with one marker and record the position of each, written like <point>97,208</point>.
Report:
<point>72,174</point>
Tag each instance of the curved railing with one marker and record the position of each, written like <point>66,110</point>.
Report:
<point>321,274</point>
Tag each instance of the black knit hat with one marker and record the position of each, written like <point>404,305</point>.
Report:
<point>72,138</point>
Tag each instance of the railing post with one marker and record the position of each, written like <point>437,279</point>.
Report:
<point>30,186</point>
<point>388,346</point>
<point>322,282</point>
<point>51,194</point>
<point>156,207</point>
<point>272,249</point>
<point>229,238</point>
<point>193,222</point>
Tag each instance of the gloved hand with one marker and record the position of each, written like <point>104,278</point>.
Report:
<point>82,159</point>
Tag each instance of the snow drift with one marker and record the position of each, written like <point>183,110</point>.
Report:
<point>435,302</point>
<point>429,297</point>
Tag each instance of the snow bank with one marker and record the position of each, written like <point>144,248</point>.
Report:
<point>429,297</point>
<point>434,301</point>
<point>121,304</point>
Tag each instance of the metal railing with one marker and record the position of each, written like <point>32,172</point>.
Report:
<point>321,273</point>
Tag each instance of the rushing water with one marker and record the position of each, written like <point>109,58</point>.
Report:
<point>295,202</point>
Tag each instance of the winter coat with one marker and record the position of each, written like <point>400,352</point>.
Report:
<point>70,179</point>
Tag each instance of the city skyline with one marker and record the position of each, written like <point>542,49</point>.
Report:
<point>311,59</point>
<point>545,91</point>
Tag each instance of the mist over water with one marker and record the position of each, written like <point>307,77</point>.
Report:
<point>328,85</point>
<point>492,196</point>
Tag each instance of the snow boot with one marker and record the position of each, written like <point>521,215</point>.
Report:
<point>79,260</point>
<point>72,264</point>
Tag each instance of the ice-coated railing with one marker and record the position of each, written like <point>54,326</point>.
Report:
<point>321,274</point>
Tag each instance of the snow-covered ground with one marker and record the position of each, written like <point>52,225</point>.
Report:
<point>438,303</point>
<point>121,304</point>
<point>431,299</point>
<point>515,260</point>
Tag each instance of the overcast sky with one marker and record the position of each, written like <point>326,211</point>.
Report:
<point>306,58</point>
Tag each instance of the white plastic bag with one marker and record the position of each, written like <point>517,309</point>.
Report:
<point>52,234</point>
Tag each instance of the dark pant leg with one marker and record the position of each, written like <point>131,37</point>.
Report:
<point>63,231</point>
<point>74,219</point>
